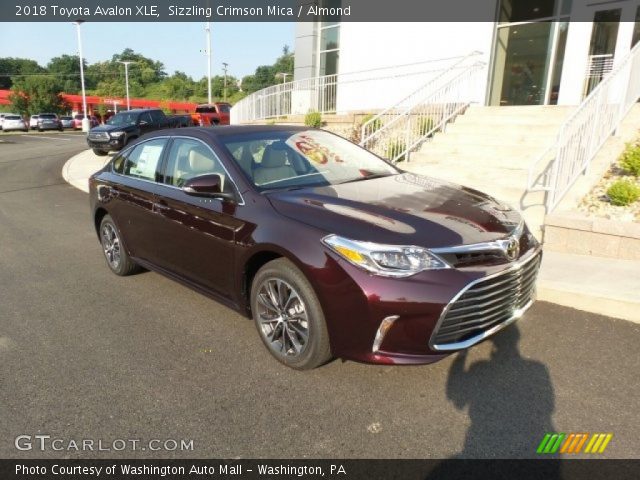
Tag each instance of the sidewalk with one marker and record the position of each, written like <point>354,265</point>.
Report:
<point>599,285</point>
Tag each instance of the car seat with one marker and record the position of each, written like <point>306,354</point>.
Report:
<point>274,166</point>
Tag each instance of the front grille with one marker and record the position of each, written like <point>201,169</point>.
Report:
<point>486,304</point>
<point>98,136</point>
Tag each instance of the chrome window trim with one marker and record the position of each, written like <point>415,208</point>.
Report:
<point>531,255</point>
<point>127,150</point>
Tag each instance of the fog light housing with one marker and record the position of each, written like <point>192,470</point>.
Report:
<point>383,329</point>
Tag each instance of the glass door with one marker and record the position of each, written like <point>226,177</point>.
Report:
<point>602,49</point>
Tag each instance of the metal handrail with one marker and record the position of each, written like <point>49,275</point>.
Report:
<point>399,130</point>
<point>320,94</point>
<point>586,130</point>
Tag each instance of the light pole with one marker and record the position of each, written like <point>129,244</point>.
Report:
<point>284,76</point>
<point>225,65</point>
<point>85,120</point>
<point>126,79</point>
<point>207,29</point>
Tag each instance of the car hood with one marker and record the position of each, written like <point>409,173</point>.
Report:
<point>404,209</point>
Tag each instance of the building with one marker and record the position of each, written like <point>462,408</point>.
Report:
<point>537,52</point>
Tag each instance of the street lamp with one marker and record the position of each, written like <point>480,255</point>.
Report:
<point>207,29</point>
<point>225,65</point>
<point>126,79</point>
<point>85,120</point>
<point>283,75</point>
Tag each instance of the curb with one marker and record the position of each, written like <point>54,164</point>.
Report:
<point>77,170</point>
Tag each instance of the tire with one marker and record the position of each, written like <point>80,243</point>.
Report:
<point>100,153</point>
<point>114,250</point>
<point>40,130</point>
<point>285,340</point>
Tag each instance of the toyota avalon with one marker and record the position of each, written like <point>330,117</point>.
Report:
<point>332,251</point>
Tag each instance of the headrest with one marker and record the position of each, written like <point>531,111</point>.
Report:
<point>275,155</point>
<point>200,162</point>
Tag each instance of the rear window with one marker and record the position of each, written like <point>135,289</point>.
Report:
<point>206,109</point>
<point>12,117</point>
<point>225,108</point>
<point>66,118</point>
<point>79,117</point>
<point>48,115</point>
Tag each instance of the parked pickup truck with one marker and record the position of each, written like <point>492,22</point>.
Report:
<point>210,114</point>
<point>128,125</point>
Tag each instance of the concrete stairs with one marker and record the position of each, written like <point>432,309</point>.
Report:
<point>491,149</point>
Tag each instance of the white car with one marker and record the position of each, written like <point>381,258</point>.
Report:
<point>14,122</point>
<point>2,115</point>
<point>33,122</point>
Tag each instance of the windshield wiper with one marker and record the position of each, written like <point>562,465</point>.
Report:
<point>367,177</point>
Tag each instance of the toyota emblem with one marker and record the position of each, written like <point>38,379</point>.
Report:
<point>512,249</point>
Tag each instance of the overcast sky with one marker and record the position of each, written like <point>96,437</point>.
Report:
<point>179,46</point>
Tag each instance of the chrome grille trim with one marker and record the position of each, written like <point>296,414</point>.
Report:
<point>99,136</point>
<point>487,305</point>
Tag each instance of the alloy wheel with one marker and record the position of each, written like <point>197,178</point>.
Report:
<point>282,318</point>
<point>111,245</point>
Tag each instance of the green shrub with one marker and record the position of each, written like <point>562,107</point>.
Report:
<point>395,147</point>
<point>630,160</point>
<point>623,192</point>
<point>313,119</point>
<point>375,125</point>
<point>425,124</point>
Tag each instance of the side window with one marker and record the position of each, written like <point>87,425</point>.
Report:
<point>117,164</point>
<point>189,158</point>
<point>157,117</point>
<point>145,117</point>
<point>144,160</point>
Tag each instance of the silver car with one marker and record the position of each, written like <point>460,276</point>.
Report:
<point>67,122</point>
<point>14,122</point>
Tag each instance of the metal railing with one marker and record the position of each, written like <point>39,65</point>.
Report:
<point>398,130</point>
<point>368,89</point>
<point>586,130</point>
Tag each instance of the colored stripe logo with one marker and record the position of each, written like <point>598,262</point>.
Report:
<point>573,443</point>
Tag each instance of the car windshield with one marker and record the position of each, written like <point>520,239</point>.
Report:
<point>294,159</point>
<point>123,119</point>
<point>47,116</point>
<point>67,118</point>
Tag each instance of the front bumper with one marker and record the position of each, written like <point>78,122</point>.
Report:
<point>106,144</point>
<point>426,310</point>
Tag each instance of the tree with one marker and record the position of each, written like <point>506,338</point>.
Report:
<point>31,95</point>
<point>267,75</point>
<point>67,71</point>
<point>13,68</point>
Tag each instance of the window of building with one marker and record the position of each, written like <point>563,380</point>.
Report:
<point>636,30</point>
<point>329,49</point>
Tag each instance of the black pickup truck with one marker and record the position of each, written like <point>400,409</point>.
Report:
<point>128,125</point>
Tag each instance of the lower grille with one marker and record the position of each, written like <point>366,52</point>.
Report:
<point>486,305</point>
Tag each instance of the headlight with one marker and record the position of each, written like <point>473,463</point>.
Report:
<point>387,260</point>
<point>116,134</point>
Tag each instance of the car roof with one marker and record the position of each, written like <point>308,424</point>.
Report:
<point>139,110</point>
<point>228,130</point>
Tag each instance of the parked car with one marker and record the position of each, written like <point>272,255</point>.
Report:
<point>126,126</point>
<point>14,122</point>
<point>48,121</point>
<point>67,122</point>
<point>33,122</point>
<point>331,250</point>
<point>2,116</point>
<point>77,121</point>
<point>210,114</point>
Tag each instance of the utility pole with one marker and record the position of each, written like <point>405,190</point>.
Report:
<point>85,120</point>
<point>207,29</point>
<point>226,65</point>
<point>126,79</point>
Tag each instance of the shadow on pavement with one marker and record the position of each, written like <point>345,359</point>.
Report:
<point>510,402</point>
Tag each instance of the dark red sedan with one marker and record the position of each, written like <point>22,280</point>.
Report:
<point>331,250</point>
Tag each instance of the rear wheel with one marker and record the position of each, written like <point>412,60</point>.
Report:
<point>114,251</point>
<point>289,317</point>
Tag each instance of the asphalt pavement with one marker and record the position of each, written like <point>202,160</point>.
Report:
<point>88,355</point>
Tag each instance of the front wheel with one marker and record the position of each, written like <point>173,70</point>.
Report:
<point>289,317</point>
<point>114,251</point>
<point>100,153</point>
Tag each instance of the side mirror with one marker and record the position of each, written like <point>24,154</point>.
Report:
<point>206,186</point>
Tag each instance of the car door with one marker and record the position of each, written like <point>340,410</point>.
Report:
<point>145,123</point>
<point>138,172</point>
<point>198,233</point>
